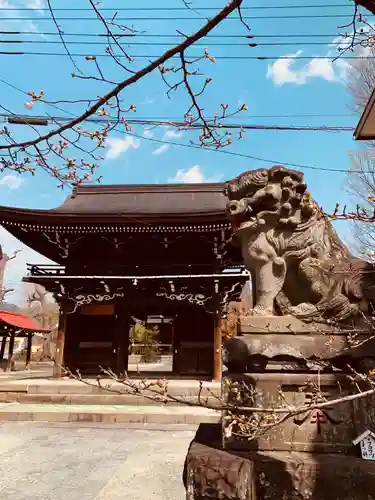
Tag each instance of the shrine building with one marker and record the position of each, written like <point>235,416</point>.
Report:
<point>126,255</point>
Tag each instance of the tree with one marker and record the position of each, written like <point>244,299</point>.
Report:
<point>86,133</point>
<point>361,177</point>
<point>54,151</point>
<point>4,259</point>
<point>46,312</point>
<point>144,341</point>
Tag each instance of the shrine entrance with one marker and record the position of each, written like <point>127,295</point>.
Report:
<point>178,342</point>
<point>119,338</point>
<point>141,276</point>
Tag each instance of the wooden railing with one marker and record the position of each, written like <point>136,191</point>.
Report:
<point>45,270</point>
<point>57,270</point>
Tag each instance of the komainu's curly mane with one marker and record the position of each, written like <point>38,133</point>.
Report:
<point>298,262</point>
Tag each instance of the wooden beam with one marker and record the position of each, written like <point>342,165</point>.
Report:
<point>60,344</point>
<point>10,352</point>
<point>122,341</point>
<point>28,349</point>
<point>2,348</point>
<point>217,371</point>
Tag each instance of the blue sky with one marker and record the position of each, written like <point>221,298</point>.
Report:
<point>272,90</point>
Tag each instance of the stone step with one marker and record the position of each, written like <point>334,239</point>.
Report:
<point>93,399</point>
<point>113,414</point>
<point>185,388</point>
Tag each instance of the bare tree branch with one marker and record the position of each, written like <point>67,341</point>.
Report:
<point>230,7</point>
<point>60,32</point>
<point>252,421</point>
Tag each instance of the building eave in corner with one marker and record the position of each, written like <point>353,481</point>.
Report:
<point>365,130</point>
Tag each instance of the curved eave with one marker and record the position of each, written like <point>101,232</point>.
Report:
<point>53,217</point>
<point>27,225</point>
<point>29,239</point>
<point>22,322</point>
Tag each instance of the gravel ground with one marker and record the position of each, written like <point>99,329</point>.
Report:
<point>92,462</point>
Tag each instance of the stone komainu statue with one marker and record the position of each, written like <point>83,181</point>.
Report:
<point>297,262</point>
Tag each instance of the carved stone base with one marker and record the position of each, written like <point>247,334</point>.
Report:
<point>264,340</point>
<point>329,430</point>
<point>212,473</point>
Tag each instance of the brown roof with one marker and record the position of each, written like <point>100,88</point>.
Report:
<point>148,201</point>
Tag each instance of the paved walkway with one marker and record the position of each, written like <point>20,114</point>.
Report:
<point>67,462</point>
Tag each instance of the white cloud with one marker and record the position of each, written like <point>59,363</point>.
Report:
<point>282,71</point>
<point>11,181</point>
<point>193,175</point>
<point>322,68</point>
<point>161,149</point>
<point>172,133</point>
<point>341,64</point>
<point>119,146</point>
<point>16,268</point>
<point>12,24</point>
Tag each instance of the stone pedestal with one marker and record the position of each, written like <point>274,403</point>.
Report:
<point>213,473</point>
<point>283,363</point>
<point>262,342</point>
<point>330,430</point>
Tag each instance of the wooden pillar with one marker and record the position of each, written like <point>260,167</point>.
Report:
<point>217,371</point>
<point>60,344</point>
<point>2,348</point>
<point>28,349</point>
<point>175,351</point>
<point>10,352</point>
<point>122,341</point>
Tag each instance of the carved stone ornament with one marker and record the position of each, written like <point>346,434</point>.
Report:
<point>298,264</point>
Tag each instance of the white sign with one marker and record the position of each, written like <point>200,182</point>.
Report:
<point>368,448</point>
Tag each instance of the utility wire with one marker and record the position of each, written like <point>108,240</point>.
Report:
<point>163,44</point>
<point>168,118</point>
<point>221,151</point>
<point>121,9</point>
<point>174,35</point>
<point>234,153</point>
<point>303,115</point>
<point>43,120</point>
<point>232,17</point>
<point>155,56</point>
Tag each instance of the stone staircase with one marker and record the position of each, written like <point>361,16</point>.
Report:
<point>68,400</point>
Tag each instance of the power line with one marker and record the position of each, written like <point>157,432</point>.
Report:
<point>155,56</point>
<point>234,153</point>
<point>43,120</point>
<point>123,9</point>
<point>243,117</point>
<point>174,35</point>
<point>246,18</point>
<point>220,151</point>
<point>301,115</point>
<point>162,44</point>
